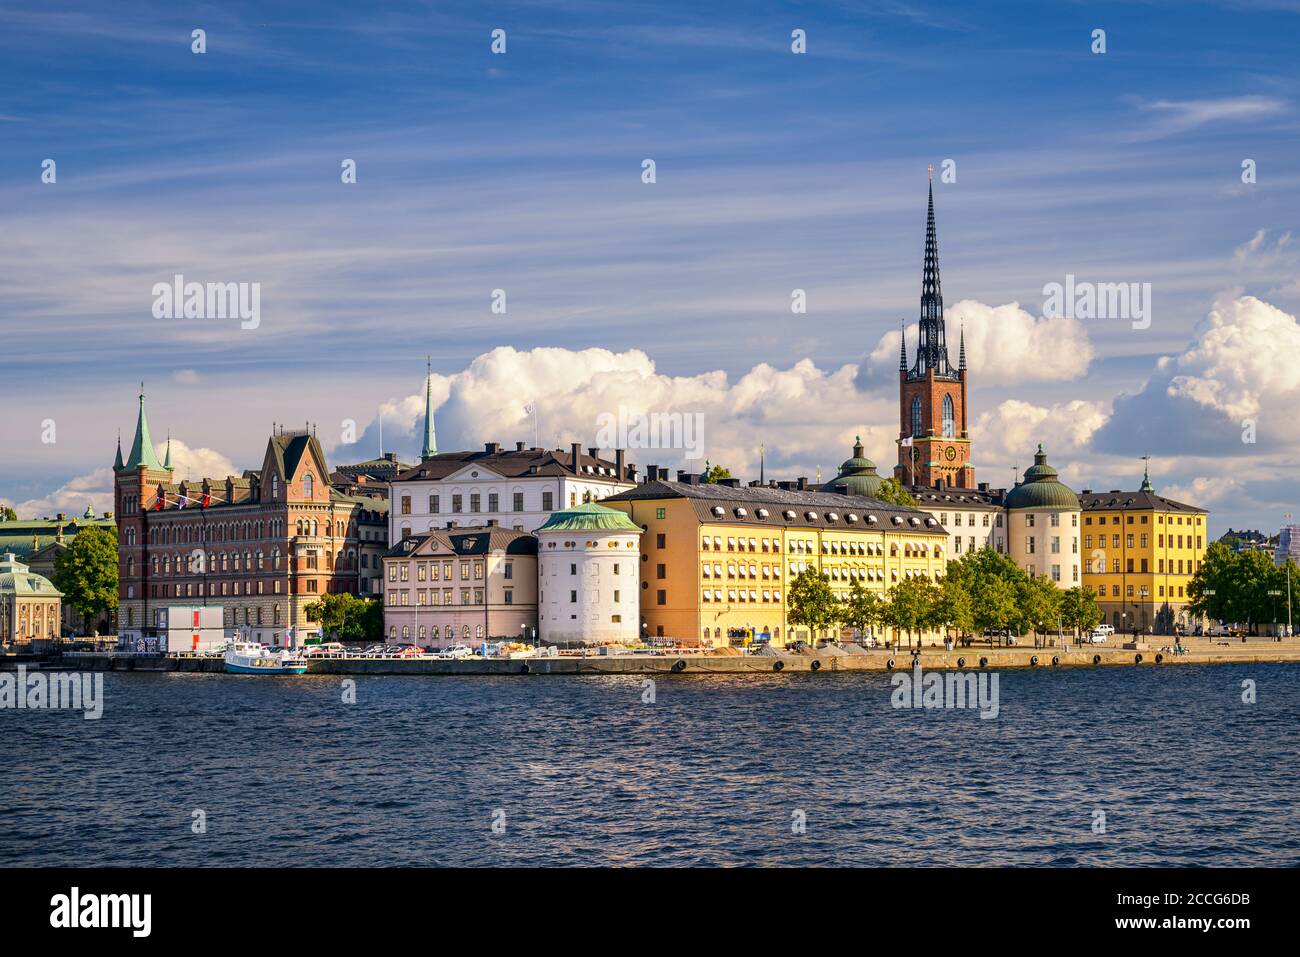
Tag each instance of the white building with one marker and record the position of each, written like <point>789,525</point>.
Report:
<point>588,568</point>
<point>1043,525</point>
<point>515,488</point>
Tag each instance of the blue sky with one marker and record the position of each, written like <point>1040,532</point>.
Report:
<point>522,171</point>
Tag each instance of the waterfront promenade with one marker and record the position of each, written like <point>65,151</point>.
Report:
<point>1199,651</point>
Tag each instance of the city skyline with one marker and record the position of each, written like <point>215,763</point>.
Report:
<point>775,172</point>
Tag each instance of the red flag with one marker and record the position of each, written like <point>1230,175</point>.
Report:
<point>158,502</point>
<point>207,500</point>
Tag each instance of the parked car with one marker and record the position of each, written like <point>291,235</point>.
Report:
<point>330,649</point>
<point>458,651</point>
<point>408,651</point>
<point>1097,637</point>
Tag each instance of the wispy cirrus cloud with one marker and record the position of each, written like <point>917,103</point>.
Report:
<point>1171,117</point>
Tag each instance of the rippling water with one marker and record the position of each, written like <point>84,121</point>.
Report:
<point>712,773</point>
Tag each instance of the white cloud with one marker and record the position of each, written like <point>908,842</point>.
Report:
<point>1179,116</point>
<point>1009,433</point>
<point>1241,362</point>
<point>1003,342</point>
<point>1205,491</point>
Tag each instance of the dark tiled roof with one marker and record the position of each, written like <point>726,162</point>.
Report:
<point>956,498</point>
<point>1102,501</point>
<point>511,463</point>
<point>705,498</point>
<point>466,541</point>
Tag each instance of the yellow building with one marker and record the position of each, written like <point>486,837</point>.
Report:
<point>716,559</point>
<point>1140,551</point>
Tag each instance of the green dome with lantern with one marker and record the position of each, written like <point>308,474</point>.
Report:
<point>1040,488</point>
<point>857,475</point>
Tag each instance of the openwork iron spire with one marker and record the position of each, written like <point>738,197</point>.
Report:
<point>932,347</point>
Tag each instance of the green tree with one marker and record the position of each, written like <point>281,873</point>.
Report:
<point>1234,587</point>
<point>812,603</point>
<point>956,608</point>
<point>1040,604</point>
<point>993,582</point>
<point>912,605</point>
<point>7,514</point>
<point>86,572</point>
<point>892,493</point>
<point>1079,609</point>
<point>714,474</point>
<point>345,617</point>
<point>862,609</point>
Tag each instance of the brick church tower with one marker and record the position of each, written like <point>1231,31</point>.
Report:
<point>135,487</point>
<point>933,443</point>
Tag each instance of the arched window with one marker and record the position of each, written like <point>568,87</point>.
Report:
<point>275,486</point>
<point>916,416</point>
<point>949,423</point>
<point>306,485</point>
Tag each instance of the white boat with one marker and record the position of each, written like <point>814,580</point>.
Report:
<point>250,658</point>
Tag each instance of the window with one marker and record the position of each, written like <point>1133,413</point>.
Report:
<point>474,501</point>
<point>456,503</point>
<point>493,502</point>
<point>573,596</point>
<point>661,571</point>
<point>307,484</point>
<point>661,597</point>
<point>434,505</point>
<point>660,540</point>
<point>949,426</point>
<point>548,501</point>
<point>518,501</point>
<point>508,571</point>
<point>661,513</point>
<point>406,505</point>
<point>509,596</point>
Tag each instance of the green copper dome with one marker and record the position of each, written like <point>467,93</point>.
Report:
<point>857,475</point>
<point>591,517</point>
<point>1041,488</point>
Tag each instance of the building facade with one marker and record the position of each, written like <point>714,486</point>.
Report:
<point>264,545</point>
<point>589,579</point>
<point>716,559</point>
<point>461,586</point>
<point>30,607</point>
<point>1042,515</point>
<point>1141,551</point>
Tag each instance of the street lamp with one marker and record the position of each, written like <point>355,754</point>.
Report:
<point>1209,593</point>
<point>1275,593</point>
<point>1143,592</point>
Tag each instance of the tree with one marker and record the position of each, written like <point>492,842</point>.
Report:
<point>862,609</point>
<point>345,617</point>
<point>1079,609</point>
<point>715,474</point>
<point>86,572</point>
<point>912,605</point>
<point>892,493</point>
<point>7,514</point>
<point>1234,586</point>
<point>1040,603</point>
<point>956,609</point>
<point>993,582</point>
<point>812,603</point>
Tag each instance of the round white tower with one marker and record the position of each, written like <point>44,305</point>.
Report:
<point>588,577</point>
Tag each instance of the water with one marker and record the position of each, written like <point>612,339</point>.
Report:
<point>712,773</point>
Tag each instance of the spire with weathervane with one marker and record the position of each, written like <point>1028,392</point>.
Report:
<point>142,452</point>
<point>932,346</point>
<point>1146,475</point>
<point>430,439</point>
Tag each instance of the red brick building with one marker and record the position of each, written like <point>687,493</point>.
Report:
<point>263,545</point>
<point>933,441</point>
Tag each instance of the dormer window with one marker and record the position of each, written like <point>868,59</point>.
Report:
<point>741,513</point>
<point>789,515</point>
<point>810,515</point>
<point>761,513</point>
<point>832,517</point>
<point>719,511</point>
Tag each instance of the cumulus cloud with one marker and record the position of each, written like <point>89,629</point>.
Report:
<point>805,416</point>
<point>1237,369</point>
<point>1003,342</point>
<point>95,488</point>
<point>1205,491</point>
<point>1009,433</point>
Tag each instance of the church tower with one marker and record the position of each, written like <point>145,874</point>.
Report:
<point>135,488</point>
<point>933,443</point>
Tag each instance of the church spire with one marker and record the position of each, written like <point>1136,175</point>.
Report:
<point>961,355</point>
<point>142,452</point>
<point>117,462</point>
<point>1146,475</point>
<point>167,458</point>
<point>902,342</point>
<point>430,439</point>
<point>932,347</point>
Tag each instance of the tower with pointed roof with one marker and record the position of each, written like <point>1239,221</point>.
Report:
<point>933,441</point>
<point>430,439</point>
<point>136,484</point>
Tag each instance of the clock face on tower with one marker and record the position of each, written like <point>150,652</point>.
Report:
<point>950,453</point>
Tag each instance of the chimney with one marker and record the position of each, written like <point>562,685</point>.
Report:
<point>730,482</point>
<point>61,516</point>
<point>519,446</point>
<point>492,448</point>
<point>984,486</point>
<point>1088,491</point>
<point>491,522</point>
<point>576,451</point>
<point>620,463</point>
<point>592,452</point>
<point>802,484</point>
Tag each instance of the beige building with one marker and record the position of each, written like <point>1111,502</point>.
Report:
<point>589,577</point>
<point>461,586</point>
<point>1043,525</point>
<point>30,607</point>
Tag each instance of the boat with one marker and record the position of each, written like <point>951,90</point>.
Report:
<point>250,658</point>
